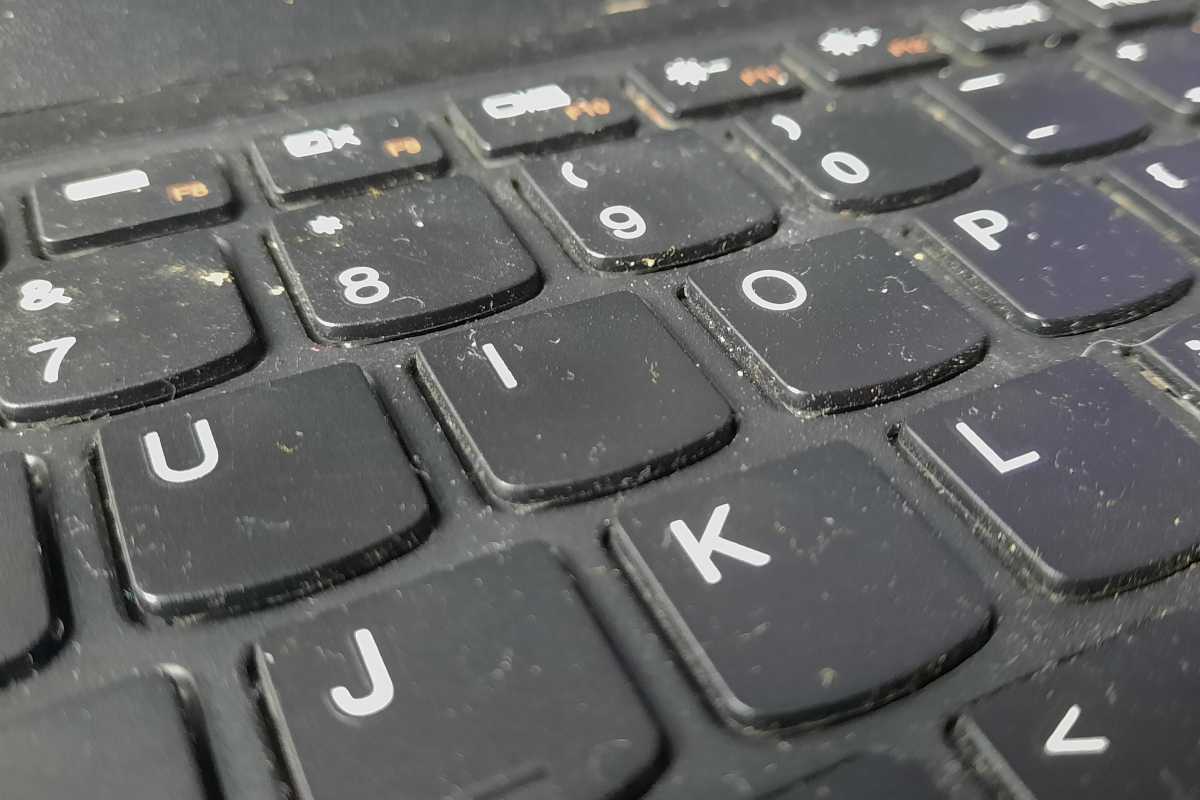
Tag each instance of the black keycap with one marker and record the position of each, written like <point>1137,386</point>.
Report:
<point>120,328</point>
<point>127,741</point>
<point>792,589</point>
<point>31,626</point>
<point>854,54</point>
<point>1120,14</point>
<point>488,681</point>
<point>549,116</point>
<point>344,154</point>
<point>1085,487</point>
<point>573,402</point>
<point>689,83</point>
<point>1115,722</point>
<point>838,323</point>
<point>130,201</point>
<point>1175,355</point>
<point>1005,27</point>
<point>1166,177</point>
<point>644,205</point>
<point>837,151</point>
<point>1058,258</point>
<point>1046,115</point>
<point>233,501</point>
<point>402,262</point>
<point>864,778</point>
<point>1163,64</point>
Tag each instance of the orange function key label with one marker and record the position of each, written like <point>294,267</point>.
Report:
<point>686,84</point>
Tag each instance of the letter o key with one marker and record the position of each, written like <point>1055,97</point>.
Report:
<point>799,293</point>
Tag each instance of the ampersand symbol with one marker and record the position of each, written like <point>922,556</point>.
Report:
<point>39,294</point>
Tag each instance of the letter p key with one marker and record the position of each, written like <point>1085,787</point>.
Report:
<point>701,550</point>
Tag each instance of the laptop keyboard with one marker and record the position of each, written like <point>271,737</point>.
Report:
<point>795,413</point>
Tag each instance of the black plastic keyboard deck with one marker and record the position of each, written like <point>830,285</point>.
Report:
<point>751,417</point>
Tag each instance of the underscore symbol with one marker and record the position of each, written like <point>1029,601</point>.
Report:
<point>381,690</point>
<point>1001,465</point>
<point>507,379</point>
<point>1060,745</point>
<point>701,550</point>
<point>39,294</point>
<point>787,125</point>
<point>568,174</point>
<point>1044,132</point>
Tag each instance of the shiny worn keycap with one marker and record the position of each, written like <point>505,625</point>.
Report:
<point>1115,721</point>
<point>1056,257</point>
<point>790,590</point>
<point>1174,353</point>
<point>345,153</point>
<point>837,323</point>
<point>1079,483</point>
<point>543,117</point>
<point>574,402</point>
<point>1166,177</point>
<point>237,501</point>
<point>401,262</point>
<point>128,201</point>
<point>127,741</point>
<point>646,205</point>
<point>488,681</point>
<point>835,149</point>
<point>120,328</point>
<point>1045,114</point>
<point>689,83</point>
<point>1163,64</point>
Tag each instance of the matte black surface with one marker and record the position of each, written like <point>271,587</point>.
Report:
<point>1047,115</point>
<point>690,203</point>
<point>401,262</point>
<point>127,741</point>
<point>175,192</point>
<point>873,49</point>
<point>793,590</point>
<point>1081,484</point>
<point>1058,258</point>
<point>1131,693</point>
<point>482,658</point>
<point>577,414</point>
<point>546,116</point>
<point>31,627</point>
<point>867,778</point>
<point>1005,27</point>
<point>1175,354</point>
<point>120,328</point>
<point>690,83</point>
<point>339,153</point>
<point>303,483</point>
<point>837,323</point>
<point>1167,177</point>
<point>841,158</point>
<point>1164,64</point>
<point>1115,14</point>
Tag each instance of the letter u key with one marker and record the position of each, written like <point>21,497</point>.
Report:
<point>158,459</point>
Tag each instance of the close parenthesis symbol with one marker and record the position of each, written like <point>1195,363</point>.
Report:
<point>788,125</point>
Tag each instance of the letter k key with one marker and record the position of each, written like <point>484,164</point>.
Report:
<point>701,550</point>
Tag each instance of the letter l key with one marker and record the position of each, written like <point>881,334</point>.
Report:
<point>700,550</point>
